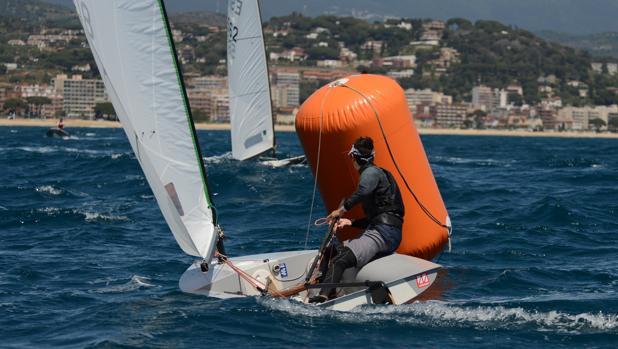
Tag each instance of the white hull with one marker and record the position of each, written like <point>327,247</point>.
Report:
<point>405,277</point>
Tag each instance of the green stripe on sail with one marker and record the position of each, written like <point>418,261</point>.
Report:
<point>188,114</point>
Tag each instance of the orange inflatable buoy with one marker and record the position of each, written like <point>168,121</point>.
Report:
<point>337,114</point>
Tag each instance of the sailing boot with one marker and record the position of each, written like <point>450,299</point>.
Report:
<point>344,260</point>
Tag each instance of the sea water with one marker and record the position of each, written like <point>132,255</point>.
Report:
<point>86,259</point>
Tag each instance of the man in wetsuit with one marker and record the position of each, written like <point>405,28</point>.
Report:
<point>381,200</point>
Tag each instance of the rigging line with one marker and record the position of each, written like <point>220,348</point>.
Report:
<point>388,147</point>
<point>317,167</point>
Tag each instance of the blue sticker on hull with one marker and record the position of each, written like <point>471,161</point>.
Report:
<point>283,270</point>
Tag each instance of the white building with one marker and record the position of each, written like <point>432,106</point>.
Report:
<point>291,83</point>
<point>81,96</point>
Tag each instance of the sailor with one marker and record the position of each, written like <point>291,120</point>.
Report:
<point>61,124</point>
<point>381,200</point>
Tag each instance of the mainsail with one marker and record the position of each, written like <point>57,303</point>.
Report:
<point>134,51</point>
<point>249,87</point>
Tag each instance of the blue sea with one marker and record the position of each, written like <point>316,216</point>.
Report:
<point>87,261</point>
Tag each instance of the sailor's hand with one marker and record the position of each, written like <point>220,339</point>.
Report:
<point>343,222</point>
<point>336,214</point>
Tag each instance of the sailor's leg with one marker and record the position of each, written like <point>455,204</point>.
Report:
<point>344,260</point>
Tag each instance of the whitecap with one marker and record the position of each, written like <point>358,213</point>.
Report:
<point>13,131</point>
<point>96,216</point>
<point>216,159</point>
<point>50,211</point>
<point>48,189</point>
<point>90,134</point>
<point>135,283</point>
<point>41,150</point>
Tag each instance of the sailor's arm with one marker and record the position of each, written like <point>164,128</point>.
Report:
<point>367,184</point>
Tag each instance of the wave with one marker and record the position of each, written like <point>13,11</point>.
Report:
<point>86,215</point>
<point>451,160</point>
<point>216,159</point>
<point>49,189</point>
<point>95,216</point>
<point>56,149</point>
<point>135,283</point>
<point>439,314</point>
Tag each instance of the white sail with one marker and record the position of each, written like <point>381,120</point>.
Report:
<point>249,87</point>
<point>132,45</point>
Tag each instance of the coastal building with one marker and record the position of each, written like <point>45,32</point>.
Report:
<point>215,102</point>
<point>295,54</point>
<point>321,74</point>
<point>291,82</point>
<point>329,63</point>
<point>583,116</point>
<point>597,67</point>
<point>426,96</point>
<point>396,62</point>
<point>450,116</point>
<point>549,118</point>
<point>347,55</point>
<point>401,74</point>
<point>612,68</point>
<point>211,82</point>
<point>374,46</point>
<point>483,97</point>
<point>434,25</point>
<point>81,96</point>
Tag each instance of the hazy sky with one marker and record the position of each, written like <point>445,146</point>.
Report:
<point>569,16</point>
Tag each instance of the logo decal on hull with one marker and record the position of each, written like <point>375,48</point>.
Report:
<point>283,270</point>
<point>422,280</point>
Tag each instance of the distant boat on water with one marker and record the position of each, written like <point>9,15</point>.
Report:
<point>57,132</point>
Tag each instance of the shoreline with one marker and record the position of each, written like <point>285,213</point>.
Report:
<point>290,128</point>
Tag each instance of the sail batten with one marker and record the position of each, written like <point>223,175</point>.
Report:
<point>132,46</point>
<point>248,82</point>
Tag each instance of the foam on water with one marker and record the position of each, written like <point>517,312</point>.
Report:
<point>217,159</point>
<point>49,189</point>
<point>135,283</point>
<point>443,315</point>
<point>96,216</point>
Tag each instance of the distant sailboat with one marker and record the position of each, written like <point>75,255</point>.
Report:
<point>250,103</point>
<point>132,44</point>
<point>251,114</point>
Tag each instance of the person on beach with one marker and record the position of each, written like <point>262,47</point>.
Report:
<point>383,206</point>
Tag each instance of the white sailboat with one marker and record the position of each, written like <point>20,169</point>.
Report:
<point>251,115</point>
<point>132,44</point>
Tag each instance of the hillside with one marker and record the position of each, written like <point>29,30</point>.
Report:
<point>599,45</point>
<point>568,16</point>
<point>486,52</point>
<point>31,13</point>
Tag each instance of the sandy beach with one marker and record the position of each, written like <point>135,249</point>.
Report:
<point>290,128</point>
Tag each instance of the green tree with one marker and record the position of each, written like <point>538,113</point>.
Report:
<point>613,124</point>
<point>105,110</point>
<point>597,124</point>
<point>17,105</point>
<point>36,103</point>
<point>2,69</point>
<point>200,115</point>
